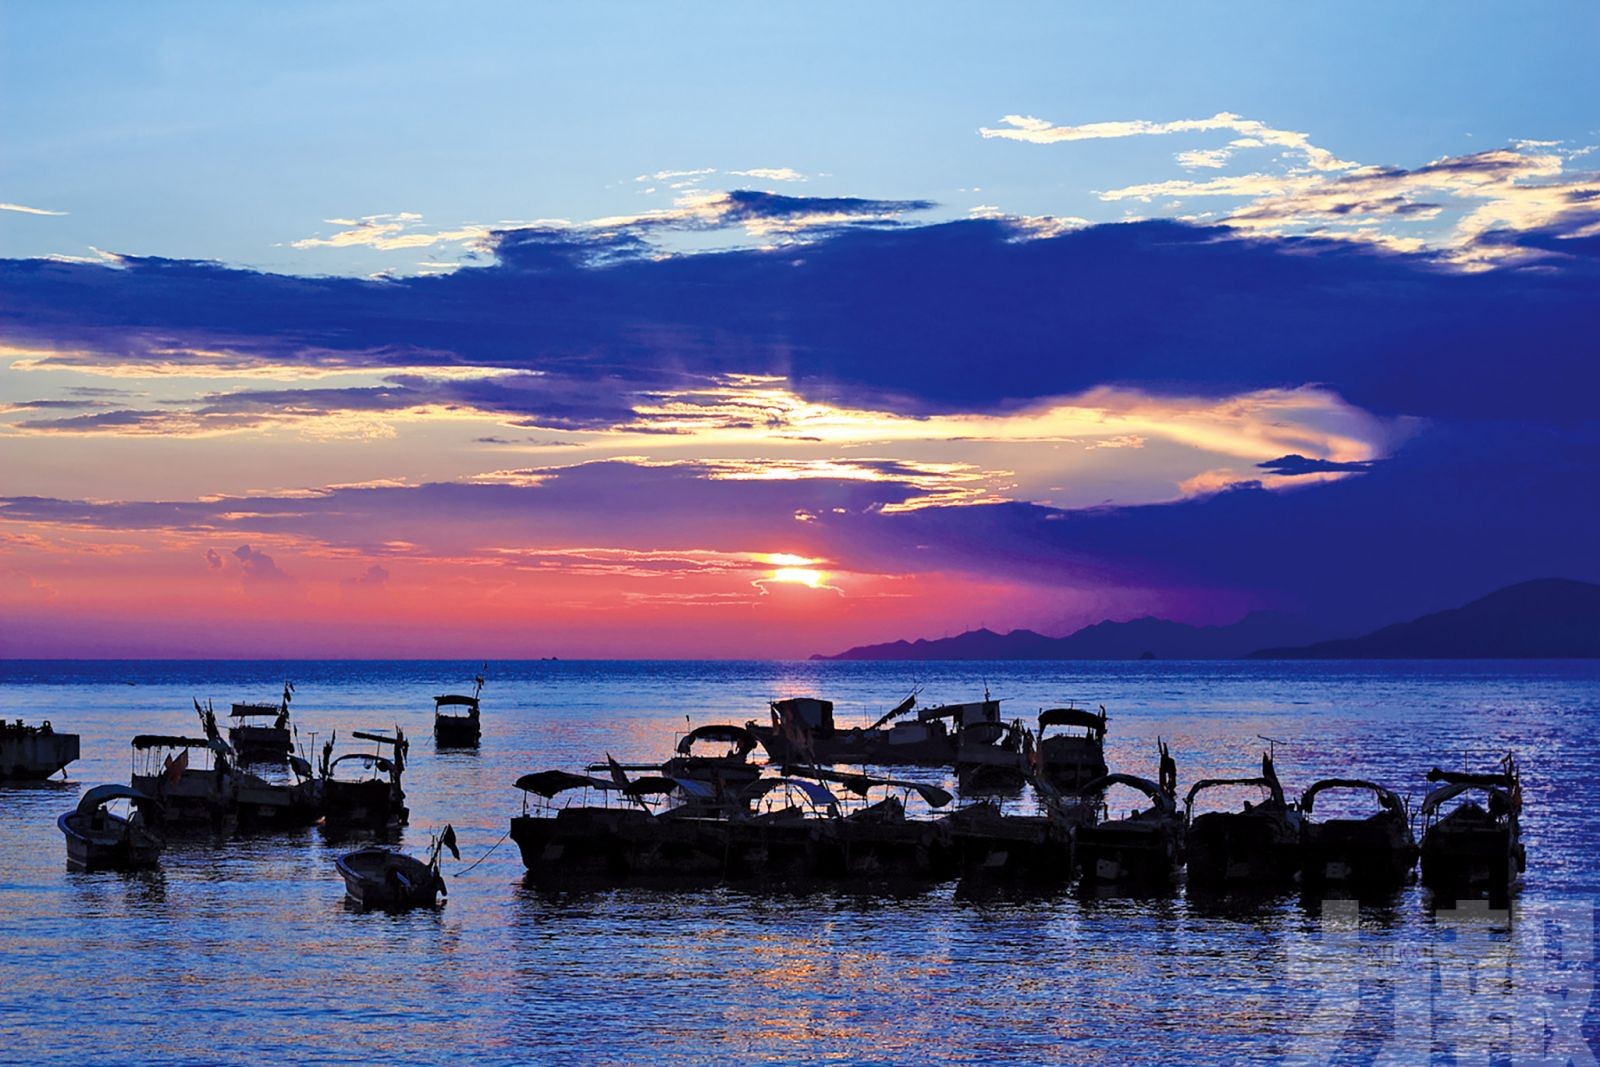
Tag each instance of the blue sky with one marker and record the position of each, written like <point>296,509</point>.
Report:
<point>228,132</point>
<point>770,329</point>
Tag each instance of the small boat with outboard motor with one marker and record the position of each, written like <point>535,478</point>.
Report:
<point>1360,846</point>
<point>100,838</point>
<point>378,877</point>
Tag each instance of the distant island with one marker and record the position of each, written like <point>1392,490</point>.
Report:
<point>1548,618</point>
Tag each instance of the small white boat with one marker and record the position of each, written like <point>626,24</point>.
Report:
<point>379,877</point>
<point>99,839</point>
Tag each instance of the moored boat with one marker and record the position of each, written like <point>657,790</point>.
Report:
<point>364,788</point>
<point>384,878</point>
<point>1374,851</point>
<point>191,777</point>
<point>803,731</point>
<point>260,732</point>
<point>34,753</point>
<point>1072,746</point>
<point>1474,847</point>
<point>101,839</point>
<point>1145,846</point>
<point>457,717</point>
<point>1257,847</point>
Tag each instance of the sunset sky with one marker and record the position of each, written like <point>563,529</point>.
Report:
<point>339,329</point>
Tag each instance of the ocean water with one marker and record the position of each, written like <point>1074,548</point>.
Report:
<point>244,951</point>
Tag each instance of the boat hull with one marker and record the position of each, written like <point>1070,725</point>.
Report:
<point>456,731</point>
<point>1128,852</point>
<point>1256,849</point>
<point>370,803</point>
<point>1369,854</point>
<point>32,754</point>
<point>1469,858</point>
<point>380,878</point>
<point>118,849</point>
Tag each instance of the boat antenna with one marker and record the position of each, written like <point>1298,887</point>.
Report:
<point>1272,744</point>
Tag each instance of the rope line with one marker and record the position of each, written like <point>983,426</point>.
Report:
<point>486,855</point>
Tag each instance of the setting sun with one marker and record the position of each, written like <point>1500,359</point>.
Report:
<point>798,576</point>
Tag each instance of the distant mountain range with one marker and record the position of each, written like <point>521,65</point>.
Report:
<point>1550,618</point>
<point>1144,638</point>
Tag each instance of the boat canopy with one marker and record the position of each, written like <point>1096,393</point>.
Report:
<point>1143,785</point>
<point>658,785</point>
<point>1496,780</point>
<point>548,783</point>
<point>377,763</point>
<point>104,794</point>
<point>861,784</point>
<point>814,792</point>
<point>744,741</point>
<point>1089,720</point>
<point>143,741</point>
<point>1431,802</point>
<point>1385,797</point>
<point>1269,784</point>
<point>457,699</point>
<point>245,711</point>
<point>380,738</point>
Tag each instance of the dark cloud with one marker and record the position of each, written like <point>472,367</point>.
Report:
<point>1296,464</point>
<point>258,566</point>
<point>213,559</point>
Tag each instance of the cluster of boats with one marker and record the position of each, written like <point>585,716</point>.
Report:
<point>708,811</point>
<point>255,780</point>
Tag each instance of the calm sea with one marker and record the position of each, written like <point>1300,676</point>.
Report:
<point>245,951</point>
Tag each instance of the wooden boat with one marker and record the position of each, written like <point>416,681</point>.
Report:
<point>1143,847</point>
<point>34,753</point>
<point>1376,851</point>
<point>1256,847</point>
<point>253,738</point>
<point>803,731</point>
<point>456,717</point>
<point>364,788</point>
<point>384,878</point>
<point>1474,847</point>
<point>1075,754</point>
<point>99,839</point>
<point>270,800</point>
